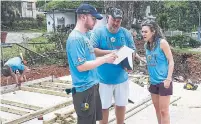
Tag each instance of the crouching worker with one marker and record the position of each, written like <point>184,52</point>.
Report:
<point>15,68</point>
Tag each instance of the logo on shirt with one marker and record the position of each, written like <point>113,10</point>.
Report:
<point>89,45</point>
<point>151,60</point>
<point>80,59</point>
<point>112,39</point>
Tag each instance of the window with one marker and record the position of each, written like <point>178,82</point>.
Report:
<point>61,21</point>
<point>29,5</point>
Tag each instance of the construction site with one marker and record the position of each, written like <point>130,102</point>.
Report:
<point>45,97</point>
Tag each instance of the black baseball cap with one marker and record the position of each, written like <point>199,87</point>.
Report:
<point>115,12</point>
<point>88,9</point>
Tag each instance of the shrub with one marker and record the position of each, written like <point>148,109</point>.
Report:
<point>183,41</point>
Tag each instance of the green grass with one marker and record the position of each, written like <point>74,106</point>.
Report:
<point>39,39</point>
<point>34,30</point>
<point>10,52</point>
<point>39,48</point>
<point>187,50</point>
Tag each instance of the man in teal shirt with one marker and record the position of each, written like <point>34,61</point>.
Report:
<point>16,69</point>
<point>82,64</point>
<point>113,78</point>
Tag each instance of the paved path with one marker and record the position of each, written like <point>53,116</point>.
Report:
<point>17,37</point>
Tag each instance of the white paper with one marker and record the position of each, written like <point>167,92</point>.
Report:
<point>122,53</point>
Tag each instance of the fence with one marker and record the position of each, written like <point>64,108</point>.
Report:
<point>34,53</point>
<point>193,35</point>
<point>172,33</point>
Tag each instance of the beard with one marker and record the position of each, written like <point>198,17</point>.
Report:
<point>88,26</point>
<point>113,29</point>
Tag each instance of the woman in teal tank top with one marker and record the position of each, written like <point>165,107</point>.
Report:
<point>160,66</point>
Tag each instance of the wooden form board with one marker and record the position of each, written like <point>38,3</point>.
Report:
<point>13,111</point>
<point>38,113</point>
<point>52,86</point>
<point>64,112</point>
<point>62,81</point>
<point>11,88</point>
<point>48,87</point>
<point>21,105</point>
<point>55,84</point>
<point>44,91</point>
<point>2,120</point>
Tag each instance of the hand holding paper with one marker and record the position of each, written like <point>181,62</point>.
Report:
<point>110,58</point>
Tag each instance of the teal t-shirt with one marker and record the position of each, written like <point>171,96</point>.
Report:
<point>157,64</point>
<point>103,39</point>
<point>79,50</point>
<point>15,64</point>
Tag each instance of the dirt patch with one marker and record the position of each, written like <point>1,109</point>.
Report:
<point>41,72</point>
<point>187,65</point>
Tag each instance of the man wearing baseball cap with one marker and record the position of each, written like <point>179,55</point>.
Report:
<point>82,63</point>
<point>113,78</point>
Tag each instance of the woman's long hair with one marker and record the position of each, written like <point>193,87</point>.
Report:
<point>154,27</point>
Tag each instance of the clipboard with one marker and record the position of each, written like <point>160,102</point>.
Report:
<point>124,57</point>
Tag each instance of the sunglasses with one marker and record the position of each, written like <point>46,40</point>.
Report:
<point>148,23</point>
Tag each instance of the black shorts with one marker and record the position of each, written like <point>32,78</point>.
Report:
<point>161,90</point>
<point>92,97</point>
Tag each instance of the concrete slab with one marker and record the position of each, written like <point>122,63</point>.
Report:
<point>31,98</point>
<point>8,116</point>
<point>66,78</point>
<point>136,92</point>
<point>179,112</point>
<point>12,93</point>
<point>177,115</point>
<point>34,121</point>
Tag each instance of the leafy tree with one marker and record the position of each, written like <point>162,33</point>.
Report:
<point>10,10</point>
<point>71,4</point>
<point>181,15</point>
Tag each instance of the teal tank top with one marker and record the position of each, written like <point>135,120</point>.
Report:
<point>157,64</point>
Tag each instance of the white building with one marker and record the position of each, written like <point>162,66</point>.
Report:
<point>28,8</point>
<point>148,14</point>
<point>65,18</point>
<point>61,18</point>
